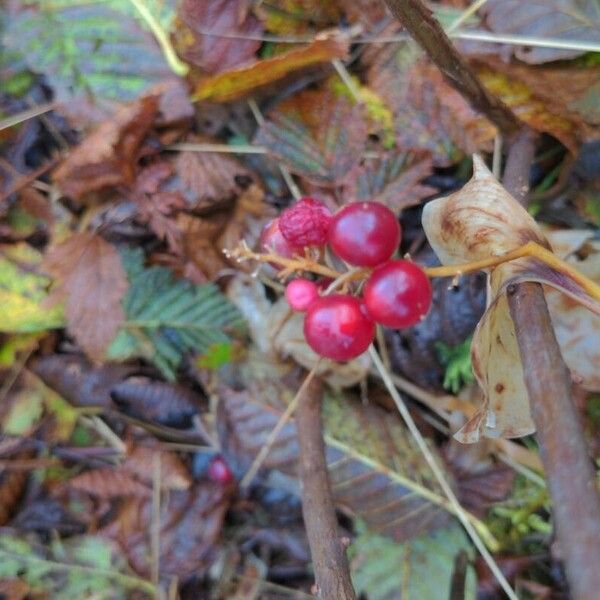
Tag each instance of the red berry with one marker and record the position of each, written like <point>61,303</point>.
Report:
<point>306,223</point>
<point>271,240</point>
<point>364,234</point>
<point>219,471</point>
<point>338,327</point>
<point>301,293</point>
<point>397,294</point>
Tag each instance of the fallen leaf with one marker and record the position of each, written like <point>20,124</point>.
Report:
<point>285,17</point>
<point>477,222</point>
<point>376,471</point>
<point>393,178</point>
<point>109,483</point>
<point>421,568</point>
<point>62,43</point>
<point>23,291</point>
<point>214,54</point>
<point>108,156</point>
<point>238,83</point>
<point>566,20</point>
<point>90,279</point>
<point>317,135</point>
<point>140,461</point>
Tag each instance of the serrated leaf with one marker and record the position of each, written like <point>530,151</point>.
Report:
<point>22,292</point>
<point>317,135</point>
<point>419,569</point>
<point>166,317</point>
<point>88,49</point>
<point>376,471</point>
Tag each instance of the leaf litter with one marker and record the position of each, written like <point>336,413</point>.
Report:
<point>133,350</point>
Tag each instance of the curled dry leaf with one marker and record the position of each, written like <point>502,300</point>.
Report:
<point>108,483</point>
<point>107,157</point>
<point>140,462</point>
<point>477,222</point>
<point>91,280</point>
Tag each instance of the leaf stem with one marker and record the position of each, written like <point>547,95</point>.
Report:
<point>178,67</point>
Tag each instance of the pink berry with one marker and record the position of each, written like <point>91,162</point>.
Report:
<point>398,294</point>
<point>219,471</point>
<point>271,240</point>
<point>306,223</point>
<point>338,327</point>
<point>301,293</point>
<point>364,234</point>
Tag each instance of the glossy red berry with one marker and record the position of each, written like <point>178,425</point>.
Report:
<point>301,293</point>
<point>364,234</point>
<point>271,240</point>
<point>306,223</point>
<point>397,294</point>
<point>219,471</point>
<point>338,327</point>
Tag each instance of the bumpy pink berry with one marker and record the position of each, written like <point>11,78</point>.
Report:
<point>219,471</point>
<point>364,234</point>
<point>398,294</point>
<point>301,293</point>
<point>306,223</point>
<point>338,327</point>
<point>271,240</point>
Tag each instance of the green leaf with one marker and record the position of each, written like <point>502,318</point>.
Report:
<point>166,317</point>
<point>457,361</point>
<point>421,568</point>
<point>22,292</point>
<point>25,412</point>
<point>88,49</point>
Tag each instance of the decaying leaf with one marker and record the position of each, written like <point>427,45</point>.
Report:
<point>317,135</point>
<point>141,460</point>
<point>569,20</point>
<point>477,222</point>
<point>108,483</point>
<point>375,469</point>
<point>238,83</point>
<point>107,157</point>
<point>92,282</point>
<point>392,179</point>
<point>211,53</point>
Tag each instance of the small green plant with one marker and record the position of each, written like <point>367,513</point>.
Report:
<point>457,363</point>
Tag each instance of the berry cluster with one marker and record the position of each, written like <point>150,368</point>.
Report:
<point>396,293</point>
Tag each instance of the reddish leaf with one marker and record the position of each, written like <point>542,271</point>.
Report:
<point>91,280</point>
<point>108,156</point>
<point>318,135</point>
<point>217,53</point>
<point>109,483</point>
<point>392,179</point>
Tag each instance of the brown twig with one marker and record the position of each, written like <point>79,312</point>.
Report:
<point>569,472</point>
<point>426,30</point>
<point>327,548</point>
<point>571,477</point>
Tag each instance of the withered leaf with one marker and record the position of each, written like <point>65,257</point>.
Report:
<point>317,135</point>
<point>219,53</point>
<point>238,83</point>
<point>376,471</point>
<point>393,178</point>
<point>574,20</point>
<point>140,461</point>
<point>477,222</point>
<point>108,156</point>
<point>109,483</point>
<point>91,280</point>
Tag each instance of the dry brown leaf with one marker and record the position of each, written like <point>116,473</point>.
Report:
<point>212,53</point>
<point>91,280</point>
<point>107,157</point>
<point>109,483</point>
<point>477,222</point>
<point>238,83</point>
<point>140,462</point>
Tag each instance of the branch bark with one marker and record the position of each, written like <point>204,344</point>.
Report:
<point>570,475</point>
<point>332,573</point>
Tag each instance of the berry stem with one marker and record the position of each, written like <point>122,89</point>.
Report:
<point>530,249</point>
